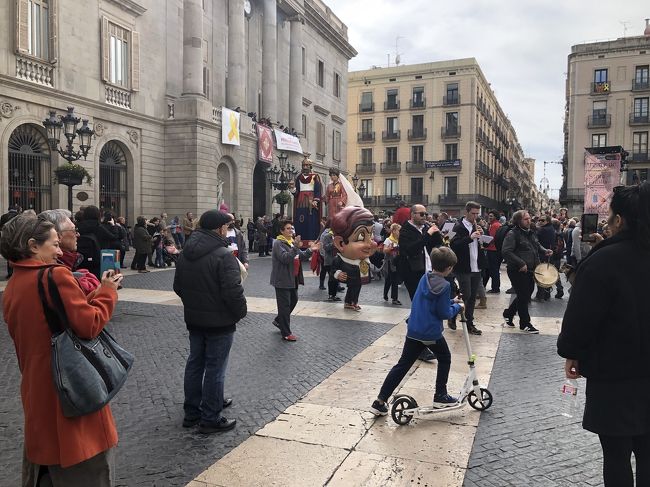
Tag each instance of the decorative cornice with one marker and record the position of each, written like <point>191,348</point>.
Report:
<point>322,110</point>
<point>130,6</point>
<point>306,101</point>
<point>322,26</point>
<point>337,119</point>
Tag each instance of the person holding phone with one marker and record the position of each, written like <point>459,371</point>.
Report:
<point>605,338</point>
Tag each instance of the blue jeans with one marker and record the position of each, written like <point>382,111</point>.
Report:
<point>205,374</point>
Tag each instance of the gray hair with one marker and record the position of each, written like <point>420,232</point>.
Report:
<point>57,217</point>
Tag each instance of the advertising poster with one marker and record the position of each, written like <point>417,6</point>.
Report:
<point>602,173</point>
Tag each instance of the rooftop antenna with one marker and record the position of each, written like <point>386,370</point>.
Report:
<point>624,23</point>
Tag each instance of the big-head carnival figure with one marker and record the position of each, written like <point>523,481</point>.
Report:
<point>307,191</point>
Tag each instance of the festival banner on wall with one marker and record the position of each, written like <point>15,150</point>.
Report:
<point>229,126</point>
<point>602,173</point>
<point>287,142</point>
<point>264,144</point>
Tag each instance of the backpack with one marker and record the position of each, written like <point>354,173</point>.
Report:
<point>88,246</point>
<point>500,236</point>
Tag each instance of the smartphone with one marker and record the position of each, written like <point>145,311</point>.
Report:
<point>109,258</point>
<point>589,226</point>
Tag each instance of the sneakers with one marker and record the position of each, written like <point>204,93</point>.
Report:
<point>333,298</point>
<point>444,401</point>
<point>397,302</point>
<point>220,426</point>
<point>529,329</point>
<point>290,338</point>
<point>508,321</point>
<point>379,409</point>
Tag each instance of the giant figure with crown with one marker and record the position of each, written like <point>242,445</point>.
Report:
<point>307,191</point>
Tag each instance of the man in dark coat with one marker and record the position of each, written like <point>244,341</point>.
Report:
<point>521,251</point>
<point>417,238</point>
<point>471,260</point>
<point>208,281</point>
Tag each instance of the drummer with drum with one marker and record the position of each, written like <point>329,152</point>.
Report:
<point>521,251</point>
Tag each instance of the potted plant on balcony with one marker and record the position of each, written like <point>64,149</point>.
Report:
<point>71,174</point>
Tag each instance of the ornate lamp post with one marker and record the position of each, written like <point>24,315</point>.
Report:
<point>280,178</point>
<point>69,174</point>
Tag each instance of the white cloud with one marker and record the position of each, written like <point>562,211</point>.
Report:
<point>521,46</point>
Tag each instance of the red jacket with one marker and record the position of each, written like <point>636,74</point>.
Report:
<point>51,438</point>
<point>492,231</point>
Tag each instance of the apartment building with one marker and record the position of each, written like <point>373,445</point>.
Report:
<point>607,104</point>
<point>152,78</point>
<point>435,134</point>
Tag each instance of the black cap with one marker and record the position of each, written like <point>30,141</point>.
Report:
<point>213,219</point>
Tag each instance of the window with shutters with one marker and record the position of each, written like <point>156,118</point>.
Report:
<point>321,137</point>
<point>36,28</point>
<point>120,55</point>
<point>336,145</point>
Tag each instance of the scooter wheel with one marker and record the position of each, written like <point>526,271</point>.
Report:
<point>484,403</point>
<point>401,404</point>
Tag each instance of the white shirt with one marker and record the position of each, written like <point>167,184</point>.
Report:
<point>473,248</point>
<point>427,258</point>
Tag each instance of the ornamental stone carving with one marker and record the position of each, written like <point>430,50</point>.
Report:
<point>134,137</point>
<point>7,109</point>
<point>99,128</point>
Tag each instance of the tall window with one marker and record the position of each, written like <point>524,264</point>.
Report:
<point>640,146</point>
<point>366,101</point>
<point>451,121</point>
<point>304,125</point>
<point>119,55</point>
<point>451,152</point>
<point>366,156</point>
<point>366,125</point>
<point>391,125</point>
<point>417,187</point>
<point>418,97</point>
<point>303,54</point>
<point>600,75</point>
<point>599,109</point>
<point>38,25</point>
<point>640,107</point>
<point>417,153</point>
<point>418,125</point>
<point>641,74</point>
<point>390,187</point>
<point>391,100</point>
<point>451,185</point>
<point>391,155</point>
<point>599,140</point>
<point>320,74</point>
<point>336,145</point>
<point>452,94</point>
<point>369,187</point>
<point>337,85</point>
<point>321,137</point>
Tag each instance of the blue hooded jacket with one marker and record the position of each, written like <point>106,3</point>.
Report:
<point>431,304</point>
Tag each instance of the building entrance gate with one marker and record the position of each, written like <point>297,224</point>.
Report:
<point>30,169</point>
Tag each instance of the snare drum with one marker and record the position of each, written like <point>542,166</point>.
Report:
<point>546,275</point>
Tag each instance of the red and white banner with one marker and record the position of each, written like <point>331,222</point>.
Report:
<point>287,142</point>
<point>264,144</point>
<point>602,173</point>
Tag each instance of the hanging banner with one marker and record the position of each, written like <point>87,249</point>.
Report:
<point>287,141</point>
<point>229,126</point>
<point>264,144</point>
<point>602,173</point>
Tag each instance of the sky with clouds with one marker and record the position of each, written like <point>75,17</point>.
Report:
<point>521,46</point>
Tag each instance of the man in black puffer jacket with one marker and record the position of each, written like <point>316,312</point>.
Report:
<point>521,251</point>
<point>208,281</point>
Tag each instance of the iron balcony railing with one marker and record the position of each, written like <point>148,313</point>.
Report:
<point>639,119</point>
<point>456,199</point>
<point>595,121</point>
<point>365,136</point>
<point>394,135</point>
<point>640,85</point>
<point>640,157</point>
<point>391,105</point>
<point>367,168</point>
<point>417,134</point>
<point>600,88</point>
<point>449,100</point>
<point>417,104</point>
<point>366,107</point>
<point>416,167</point>
<point>390,167</point>
<point>393,200</point>
<point>450,132</point>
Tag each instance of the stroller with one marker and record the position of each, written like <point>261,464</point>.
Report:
<point>170,255</point>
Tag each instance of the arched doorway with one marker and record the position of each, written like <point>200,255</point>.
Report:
<point>30,169</point>
<point>259,189</point>
<point>224,193</point>
<point>112,179</point>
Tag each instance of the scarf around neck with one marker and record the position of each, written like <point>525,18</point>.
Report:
<point>288,241</point>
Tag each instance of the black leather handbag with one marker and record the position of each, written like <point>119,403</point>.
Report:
<point>87,373</point>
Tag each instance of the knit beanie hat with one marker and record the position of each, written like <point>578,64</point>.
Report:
<point>213,219</point>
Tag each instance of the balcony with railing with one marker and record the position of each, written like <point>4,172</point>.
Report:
<point>600,88</point>
<point>503,181</point>
<point>118,97</point>
<point>394,200</point>
<point>640,157</point>
<point>450,100</point>
<point>387,135</point>
<point>417,134</point>
<point>416,167</point>
<point>365,136</point>
<point>391,105</point>
<point>461,199</point>
<point>639,119</point>
<point>367,168</point>
<point>35,71</point>
<point>418,104</point>
<point>599,121</point>
<point>390,167</point>
<point>640,85</point>
<point>450,132</point>
<point>366,107</point>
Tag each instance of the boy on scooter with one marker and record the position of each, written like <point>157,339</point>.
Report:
<point>432,304</point>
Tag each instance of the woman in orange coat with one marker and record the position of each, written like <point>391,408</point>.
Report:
<point>72,451</point>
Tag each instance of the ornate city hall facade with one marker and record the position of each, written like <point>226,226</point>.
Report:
<point>152,77</point>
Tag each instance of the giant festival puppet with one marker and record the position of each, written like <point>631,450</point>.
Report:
<point>336,196</point>
<point>352,230</point>
<point>307,190</point>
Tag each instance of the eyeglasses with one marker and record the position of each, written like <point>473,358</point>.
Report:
<point>75,230</point>
<point>421,213</point>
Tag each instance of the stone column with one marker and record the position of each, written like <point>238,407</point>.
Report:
<point>270,62</point>
<point>295,74</point>
<point>192,47</point>
<point>284,33</point>
<point>236,81</point>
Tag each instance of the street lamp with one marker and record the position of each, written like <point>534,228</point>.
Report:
<point>280,177</point>
<point>72,174</point>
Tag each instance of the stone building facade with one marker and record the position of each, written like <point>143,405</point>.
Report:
<point>433,133</point>
<point>152,77</point>
<point>607,104</point>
